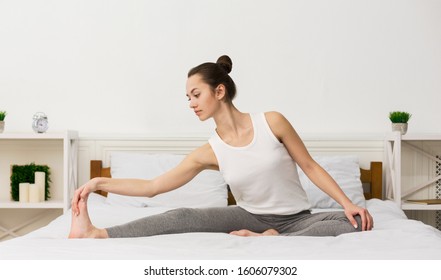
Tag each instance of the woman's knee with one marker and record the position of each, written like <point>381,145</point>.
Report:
<point>180,213</point>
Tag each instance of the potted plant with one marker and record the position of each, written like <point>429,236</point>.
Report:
<point>2,120</point>
<point>399,121</point>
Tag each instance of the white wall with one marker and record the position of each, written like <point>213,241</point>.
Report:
<point>110,67</point>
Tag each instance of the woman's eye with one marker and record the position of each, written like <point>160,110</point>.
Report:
<point>194,95</point>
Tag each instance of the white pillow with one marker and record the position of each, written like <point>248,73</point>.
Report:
<point>345,170</point>
<point>207,189</point>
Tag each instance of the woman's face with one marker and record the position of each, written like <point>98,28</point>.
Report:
<point>201,97</point>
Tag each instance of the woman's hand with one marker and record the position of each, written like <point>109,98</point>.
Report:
<point>367,222</point>
<point>82,193</point>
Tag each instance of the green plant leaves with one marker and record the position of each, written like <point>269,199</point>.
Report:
<point>399,117</point>
<point>26,174</point>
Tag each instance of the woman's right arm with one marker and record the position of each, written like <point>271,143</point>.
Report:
<point>200,159</point>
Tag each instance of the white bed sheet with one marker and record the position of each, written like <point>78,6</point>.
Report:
<point>394,237</point>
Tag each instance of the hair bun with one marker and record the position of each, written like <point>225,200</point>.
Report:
<point>225,62</point>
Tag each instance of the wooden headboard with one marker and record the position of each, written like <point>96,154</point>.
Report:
<point>372,178</point>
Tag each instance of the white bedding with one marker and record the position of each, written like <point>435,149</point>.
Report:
<point>394,237</point>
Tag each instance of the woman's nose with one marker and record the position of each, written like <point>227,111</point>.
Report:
<point>192,104</point>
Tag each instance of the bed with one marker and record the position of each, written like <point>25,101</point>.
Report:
<point>394,236</point>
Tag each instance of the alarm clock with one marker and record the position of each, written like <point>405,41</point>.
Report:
<point>40,123</point>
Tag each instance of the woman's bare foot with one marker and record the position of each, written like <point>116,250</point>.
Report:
<point>246,233</point>
<point>82,227</point>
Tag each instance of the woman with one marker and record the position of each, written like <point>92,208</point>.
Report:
<point>256,154</point>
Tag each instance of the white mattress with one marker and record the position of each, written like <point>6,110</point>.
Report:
<point>394,237</point>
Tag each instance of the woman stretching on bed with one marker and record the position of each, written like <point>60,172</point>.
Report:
<point>257,156</point>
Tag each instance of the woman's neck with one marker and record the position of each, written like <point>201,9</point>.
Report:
<point>232,125</point>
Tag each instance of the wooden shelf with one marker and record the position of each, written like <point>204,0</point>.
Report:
<point>58,150</point>
<point>416,206</point>
<point>50,204</point>
<point>419,164</point>
<point>36,136</point>
<point>414,137</point>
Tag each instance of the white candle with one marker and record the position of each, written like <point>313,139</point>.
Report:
<point>40,182</point>
<point>23,189</point>
<point>34,193</point>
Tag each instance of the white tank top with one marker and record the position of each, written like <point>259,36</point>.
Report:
<point>262,175</point>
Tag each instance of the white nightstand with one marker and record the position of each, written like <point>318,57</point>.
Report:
<point>58,150</point>
<point>412,165</point>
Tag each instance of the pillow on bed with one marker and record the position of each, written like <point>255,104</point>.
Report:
<point>346,172</point>
<point>207,189</point>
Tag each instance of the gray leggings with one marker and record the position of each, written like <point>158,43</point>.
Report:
<point>228,219</point>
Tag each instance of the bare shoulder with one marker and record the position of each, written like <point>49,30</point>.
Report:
<point>204,157</point>
<point>278,123</point>
<point>287,135</point>
<point>273,115</point>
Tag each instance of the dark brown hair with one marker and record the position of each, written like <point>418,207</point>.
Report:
<point>215,74</point>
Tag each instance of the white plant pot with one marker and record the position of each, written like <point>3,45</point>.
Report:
<point>401,127</point>
<point>2,126</point>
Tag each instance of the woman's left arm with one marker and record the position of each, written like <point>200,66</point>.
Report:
<point>286,134</point>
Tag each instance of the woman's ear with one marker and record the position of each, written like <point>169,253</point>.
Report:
<point>220,92</point>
